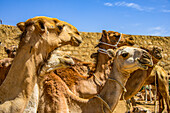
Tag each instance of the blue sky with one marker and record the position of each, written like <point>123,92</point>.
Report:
<point>136,17</point>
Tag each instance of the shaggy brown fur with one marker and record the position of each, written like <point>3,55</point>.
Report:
<point>53,89</point>
<point>78,77</point>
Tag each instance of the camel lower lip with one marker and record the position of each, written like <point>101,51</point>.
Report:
<point>143,65</point>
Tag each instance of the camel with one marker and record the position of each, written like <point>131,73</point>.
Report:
<point>57,60</point>
<point>11,51</point>
<point>41,35</point>
<point>71,77</point>
<point>162,86</point>
<point>58,90</point>
<point>133,84</point>
<point>109,39</point>
<point>140,77</point>
<point>5,63</point>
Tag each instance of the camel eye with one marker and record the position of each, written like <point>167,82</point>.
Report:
<point>60,28</point>
<point>77,33</point>
<point>125,54</point>
<point>131,38</point>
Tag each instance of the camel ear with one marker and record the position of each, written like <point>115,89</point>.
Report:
<point>7,50</point>
<point>40,25</point>
<point>21,26</point>
<point>146,49</point>
<point>111,53</point>
<point>94,55</point>
<point>104,33</point>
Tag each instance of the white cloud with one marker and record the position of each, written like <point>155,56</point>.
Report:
<point>157,31</point>
<point>133,5</point>
<point>108,4</point>
<point>166,11</point>
<point>156,28</point>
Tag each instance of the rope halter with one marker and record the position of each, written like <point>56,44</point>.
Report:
<point>104,50</point>
<point>111,44</point>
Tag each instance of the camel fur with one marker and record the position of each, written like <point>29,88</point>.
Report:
<point>82,86</point>
<point>140,77</point>
<point>56,98</point>
<point>81,71</point>
<point>162,86</point>
<point>41,35</point>
<point>5,63</point>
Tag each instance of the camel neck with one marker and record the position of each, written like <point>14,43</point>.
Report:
<point>113,95</point>
<point>21,78</point>
<point>102,66</point>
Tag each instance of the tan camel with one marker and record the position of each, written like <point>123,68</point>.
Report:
<point>56,91</point>
<point>140,78</point>
<point>11,51</point>
<point>162,86</point>
<point>109,39</point>
<point>86,87</point>
<point>56,60</point>
<point>5,63</point>
<point>41,35</point>
<point>137,78</point>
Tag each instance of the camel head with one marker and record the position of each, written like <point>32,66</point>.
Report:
<point>155,51</point>
<point>112,40</point>
<point>11,51</point>
<point>115,38</point>
<point>129,59</point>
<point>49,33</point>
<point>57,61</point>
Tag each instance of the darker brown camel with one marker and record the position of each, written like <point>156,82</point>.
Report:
<point>56,98</point>
<point>85,87</point>
<point>41,35</point>
<point>110,37</point>
<point>140,78</point>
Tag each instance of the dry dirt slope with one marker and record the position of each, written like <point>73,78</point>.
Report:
<point>9,33</point>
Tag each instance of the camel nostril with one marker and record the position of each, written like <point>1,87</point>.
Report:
<point>131,38</point>
<point>145,55</point>
<point>78,40</point>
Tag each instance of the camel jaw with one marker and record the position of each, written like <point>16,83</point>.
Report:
<point>145,63</point>
<point>76,41</point>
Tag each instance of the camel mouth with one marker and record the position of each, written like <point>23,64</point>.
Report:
<point>67,61</point>
<point>76,41</point>
<point>158,56</point>
<point>145,63</point>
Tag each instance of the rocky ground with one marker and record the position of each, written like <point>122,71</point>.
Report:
<point>148,107</point>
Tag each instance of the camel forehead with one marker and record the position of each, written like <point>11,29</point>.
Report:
<point>130,50</point>
<point>48,20</point>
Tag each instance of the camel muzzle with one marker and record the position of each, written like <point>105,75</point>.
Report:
<point>146,59</point>
<point>76,41</point>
